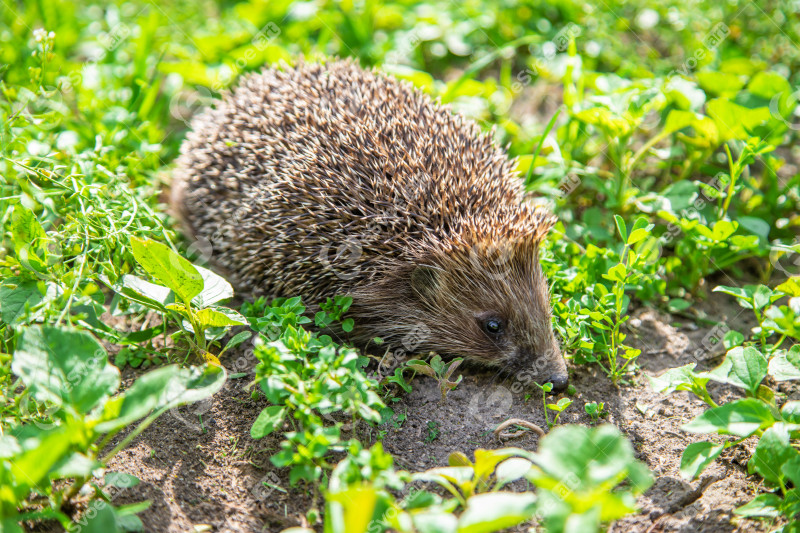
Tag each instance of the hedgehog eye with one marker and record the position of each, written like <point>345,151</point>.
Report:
<point>493,326</point>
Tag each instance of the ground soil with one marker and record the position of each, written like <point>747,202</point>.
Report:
<point>203,472</point>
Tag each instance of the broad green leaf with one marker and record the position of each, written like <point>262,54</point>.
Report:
<point>719,83</point>
<point>681,378</point>
<point>354,509</point>
<point>732,339</point>
<point>756,226</point>
<point>791,412</point>
<point>735,121</point>
<point>741,418</point>
<point>511,470</point>
<point>174,271</point>
<point>10,525</point>
<point>768,84</point>
<point>215,318</point>
<point>33,466</point>
<point>744,295</point>
<point>268,420</point>
<point>762,296</point>
<point>161,389</point>
<point>142,291</point>
<point>589,456</point>
<point>65,366</point>
<point>487,460</point>
<point>74,465</point>
<point>791,469</point>
<point>763,505</point>
<point>215,289</point>
<point>16,298</point>
<point>495,511</point>
<point>742,367</point>
<point>435,521</point>
<point>677,120</point>
<point>697,456</point>
<point>772,451</point>
<point>785,364</point>
<point>104,520</point>
<point>121,480</point>
<point>723,229</point>
<point>791,286</point>
<point>582,522</point>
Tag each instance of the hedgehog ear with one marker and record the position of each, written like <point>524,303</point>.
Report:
<point>425,281</point>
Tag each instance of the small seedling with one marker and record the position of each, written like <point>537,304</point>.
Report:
<point>433,431</point>
<point>595,410</point>
<point>438,370</point>
<point>558,407</point>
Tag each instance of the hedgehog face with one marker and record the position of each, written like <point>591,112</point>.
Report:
<point>493,312</point>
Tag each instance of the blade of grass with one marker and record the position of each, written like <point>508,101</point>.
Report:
<point>539,147</point>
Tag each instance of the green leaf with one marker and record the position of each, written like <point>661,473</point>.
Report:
<point>785,364</point>
<point>735,121</point>
<point>104,520</point>
<point>494,511</point>
<point>268,421</point>
<point>168,267</point>
<point>768,84</point>
<point>772,451</point>
<point>237,339</point>
<point>763,505</point>
<point>723,229</point>
<point>161,389</point>
<point>741,418</point>
<point>10,525</point>
<point>791,286</point>
<point>435,521</point>
<point>352,508</point>
<point>593,455</point>
<point>215,289</point>
<point>511,470</point>
<point>623,231</point>
<point>638,235</point>
<point>33,466</point>
<point>791,470</point>
<point>697,456</point>
<point>141,291</point>
<point>219,317</point>
<point>616,273</point>
<point>29,239</point>
<point>720,83</point>
<point>791,412</point>
<point>681,378</point>
<point>120,480</point>
<point>742,367</point>
<point>74,465</point>
<point>677,120</point>
<point>743,294</point>
<point>65,366</point>
<point>16,298</point>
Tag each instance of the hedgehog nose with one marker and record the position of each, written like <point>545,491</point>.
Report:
<point>559,382</point>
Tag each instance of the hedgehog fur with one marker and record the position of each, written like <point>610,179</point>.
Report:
<point>326,178</point>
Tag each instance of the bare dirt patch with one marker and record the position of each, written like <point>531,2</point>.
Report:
<point>203,472</point>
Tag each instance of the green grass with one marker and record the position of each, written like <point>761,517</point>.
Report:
<point>670,161</point>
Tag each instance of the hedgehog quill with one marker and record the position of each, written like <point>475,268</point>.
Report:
<point>326,178</point>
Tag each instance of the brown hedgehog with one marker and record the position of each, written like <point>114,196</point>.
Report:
<point>325,179</point>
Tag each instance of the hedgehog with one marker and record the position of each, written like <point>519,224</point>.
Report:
<point>325,178</point>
